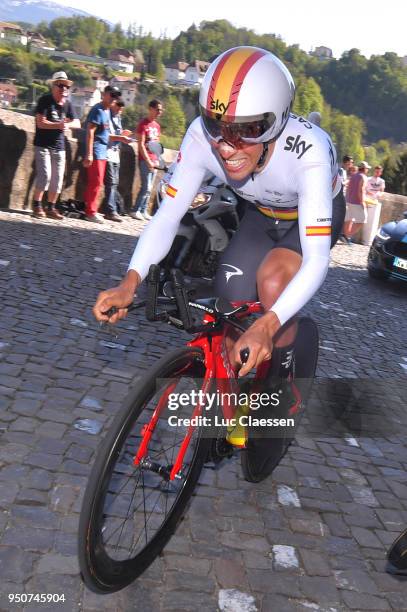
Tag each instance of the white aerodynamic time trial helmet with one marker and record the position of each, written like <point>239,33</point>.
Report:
<point>247,94</point>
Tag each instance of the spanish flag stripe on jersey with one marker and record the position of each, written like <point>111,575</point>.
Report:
<point>318,230</point>
<point>171,191</point>
<point>288,215</point>
<point>228,76</point>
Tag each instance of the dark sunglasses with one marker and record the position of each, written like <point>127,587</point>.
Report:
<point>250,132</point>
<point>61,86</point>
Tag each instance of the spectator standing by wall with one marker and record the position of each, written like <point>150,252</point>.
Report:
<point>53,116</point>
<point>375,187</point>
<point>97,139</point>
<point>356,214</point>
<point>375,184</point>
<point>148,131</point>
<point>114,200</point>
<point>347,162</point>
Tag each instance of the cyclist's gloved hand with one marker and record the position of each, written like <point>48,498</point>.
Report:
<point>259,340</point>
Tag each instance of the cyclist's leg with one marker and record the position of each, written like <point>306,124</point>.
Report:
<point>276,271</point>
<point>278,268</point>
<point>269,251</point>
<point>235,278</point>
<point>265,446</point>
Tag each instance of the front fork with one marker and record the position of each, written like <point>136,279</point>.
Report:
<point>142,460</point>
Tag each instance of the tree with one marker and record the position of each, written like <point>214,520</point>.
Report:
<point>132,115</point>
<point>118,36</point>
<point>370,155</point>
<point>396,174</point>
<point>173,119</point>
<point>80,76</point>
<point>160,72</point>
<point>43,67</point>
<point>66,31</point>
<point>383,149</point>
<point>155,63</point>
<point>31,94</point>
<point>346,131</point>
<point>308,97</point>
<point>82,45</point>
<point>16,65</point>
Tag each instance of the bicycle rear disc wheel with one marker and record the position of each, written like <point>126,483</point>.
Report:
<point>130,511</point>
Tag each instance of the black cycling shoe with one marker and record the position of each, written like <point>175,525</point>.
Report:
<point>397,556</point>
<point>265,448</point>
<point>261,457</point>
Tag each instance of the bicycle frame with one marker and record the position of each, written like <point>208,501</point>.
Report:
<point>218,368</point>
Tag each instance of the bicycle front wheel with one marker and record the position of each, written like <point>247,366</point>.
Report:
<point>133,502</point>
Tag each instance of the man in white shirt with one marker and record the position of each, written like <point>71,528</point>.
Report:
<point>375,184</point>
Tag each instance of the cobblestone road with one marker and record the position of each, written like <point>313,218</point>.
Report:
<point>312,537</point>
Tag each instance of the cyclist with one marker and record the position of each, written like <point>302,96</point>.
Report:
<point>285,168</point>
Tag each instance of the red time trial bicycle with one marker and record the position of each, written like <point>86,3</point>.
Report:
<point>149,462</point>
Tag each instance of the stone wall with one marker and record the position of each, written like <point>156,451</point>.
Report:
<point>393,206</point>
<point>17,164</point>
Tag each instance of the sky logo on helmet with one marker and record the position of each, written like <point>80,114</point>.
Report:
<point>218,106</point>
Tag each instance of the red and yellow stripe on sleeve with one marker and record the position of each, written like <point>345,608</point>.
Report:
<point>318,230</point>
<point>171,191</point>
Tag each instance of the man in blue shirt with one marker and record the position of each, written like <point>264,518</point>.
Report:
<point>97,139</point>
<point>114,201</point>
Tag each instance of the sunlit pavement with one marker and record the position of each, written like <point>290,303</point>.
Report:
<point>313,536</point>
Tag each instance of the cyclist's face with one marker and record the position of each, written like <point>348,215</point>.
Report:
<point>239,159</point>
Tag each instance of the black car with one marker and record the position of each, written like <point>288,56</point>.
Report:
<point>388,253</point>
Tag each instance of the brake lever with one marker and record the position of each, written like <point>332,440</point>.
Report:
<point>109,313</point>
